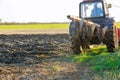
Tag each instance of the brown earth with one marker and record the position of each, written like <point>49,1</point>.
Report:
<point>38,56</point>
<point>35,31</point>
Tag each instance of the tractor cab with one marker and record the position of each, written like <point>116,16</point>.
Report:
<point>95,11</point>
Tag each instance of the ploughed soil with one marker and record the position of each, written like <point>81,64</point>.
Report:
<point>39,57</point>
<point>36,31</point>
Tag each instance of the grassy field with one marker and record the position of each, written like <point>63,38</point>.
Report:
<point>105,64</point>
<point>118,24</point>
<point>33,26</point>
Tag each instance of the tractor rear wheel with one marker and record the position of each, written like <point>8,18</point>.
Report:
<point>75,38</point>
<point>110,41</point>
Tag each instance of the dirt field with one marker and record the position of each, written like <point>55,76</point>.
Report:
<point>34,31</point>
<point>39,56</point>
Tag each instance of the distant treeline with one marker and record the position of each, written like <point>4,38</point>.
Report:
<point>15,23</point>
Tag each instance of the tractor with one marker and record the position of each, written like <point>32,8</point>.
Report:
<point>93,26</point>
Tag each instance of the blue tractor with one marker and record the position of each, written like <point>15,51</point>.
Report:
<point>93,26</point>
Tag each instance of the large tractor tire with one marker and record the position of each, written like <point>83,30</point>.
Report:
<point>80,37</point>
<point>110,41</point>
<point>75,39</point>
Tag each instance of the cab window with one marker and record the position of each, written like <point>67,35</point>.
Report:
<point>93,9</point>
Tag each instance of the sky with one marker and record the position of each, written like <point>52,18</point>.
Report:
<point>45,10</point>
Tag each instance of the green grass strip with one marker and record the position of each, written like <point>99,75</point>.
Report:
<point>33,26</point>
<point>99,59</point>
<point>118,24</point>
